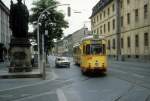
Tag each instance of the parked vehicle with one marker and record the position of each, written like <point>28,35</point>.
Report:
<point>62,62</point>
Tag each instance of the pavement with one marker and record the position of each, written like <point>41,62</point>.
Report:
<point>35,73</point>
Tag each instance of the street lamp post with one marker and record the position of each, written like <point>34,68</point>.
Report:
<point>42,65</point>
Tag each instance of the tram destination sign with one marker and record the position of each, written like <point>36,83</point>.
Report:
<point>96,41</point>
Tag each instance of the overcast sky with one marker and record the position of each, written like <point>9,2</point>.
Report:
<point>77,20</point>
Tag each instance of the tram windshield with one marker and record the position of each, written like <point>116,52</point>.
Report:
<point>95,49</point>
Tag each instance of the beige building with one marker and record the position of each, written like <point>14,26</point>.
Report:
<point>126,25</point>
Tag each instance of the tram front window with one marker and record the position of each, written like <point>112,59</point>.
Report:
<point>94,49</point>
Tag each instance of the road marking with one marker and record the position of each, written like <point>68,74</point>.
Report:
<point>61,95</point>
<point>34,96</point>
<point>116,70</point>
<point>6,96</point>
<point>41,82</point>
<point>54,76</point>
<point>139,76</point>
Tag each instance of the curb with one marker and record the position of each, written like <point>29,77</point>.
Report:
<point>13,76</point>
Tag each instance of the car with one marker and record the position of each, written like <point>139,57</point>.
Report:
<point>62,62</point>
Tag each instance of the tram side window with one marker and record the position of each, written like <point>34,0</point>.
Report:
<point>78,50</point>
<point>87,49</point>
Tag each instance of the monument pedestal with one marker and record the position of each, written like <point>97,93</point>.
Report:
<point>20,55</point>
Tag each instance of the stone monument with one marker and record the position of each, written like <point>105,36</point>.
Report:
<point>20,54</point>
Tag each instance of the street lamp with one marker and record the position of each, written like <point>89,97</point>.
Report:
<point>39,57</point>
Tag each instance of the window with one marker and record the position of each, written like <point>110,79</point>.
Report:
<point>87,49</point>
<point>93,21</point>
<point>128,1</point>
<point>136,15</point>
<point>104,14</point>
<point>145,11</point>
<point>114,44</point>
<point>97,32</point>
<point>101,29</point>
<point>128,42</point>
<point>108,11</point>
<point>104,28</point>
<point>128,18</point>
<point>122,43</point>
<point>113,23</point>
<point>113,7</point>
<point>136,41</point>
<point>121,21</point>
<point>108,26</point>
<point>100,16</point>
<point>137,56</point>
<point>108,44</point>
<point>146,39</point>
<point>96,49</point>
<point>104,49</point>
<point>97,18</point>
<point>121,3</point>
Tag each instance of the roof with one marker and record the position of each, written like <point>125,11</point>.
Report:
<point>99,6</point>
<point>3,6</point>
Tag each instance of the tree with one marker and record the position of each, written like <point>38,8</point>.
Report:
<point>53,20</point>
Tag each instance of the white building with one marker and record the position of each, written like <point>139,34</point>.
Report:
<point>5,31</point>
<point>65,46</point>
<point>79,34</point>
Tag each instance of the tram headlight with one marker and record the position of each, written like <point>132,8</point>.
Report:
<point>96,63</point>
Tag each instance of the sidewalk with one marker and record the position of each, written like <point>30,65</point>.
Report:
<point>131,63</point>
<point>35,73</point>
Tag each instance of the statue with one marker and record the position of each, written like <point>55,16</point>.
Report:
<point>19,18</point>
<point>20,52</point>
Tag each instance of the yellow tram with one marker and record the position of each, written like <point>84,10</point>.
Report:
<point>90,54</point>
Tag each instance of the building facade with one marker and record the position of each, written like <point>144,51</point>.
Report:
<point>59,48</point>
<point>79,34</point>
<point>65,46</point>
<point>68,45</point>
<point>126,25</point>
<point>5,31</point>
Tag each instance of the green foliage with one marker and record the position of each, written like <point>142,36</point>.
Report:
<point>53,21</point>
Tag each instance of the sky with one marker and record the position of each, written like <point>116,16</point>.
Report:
<point>76,20</point>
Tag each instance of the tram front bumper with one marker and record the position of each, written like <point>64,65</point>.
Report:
<point>95,69</point>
